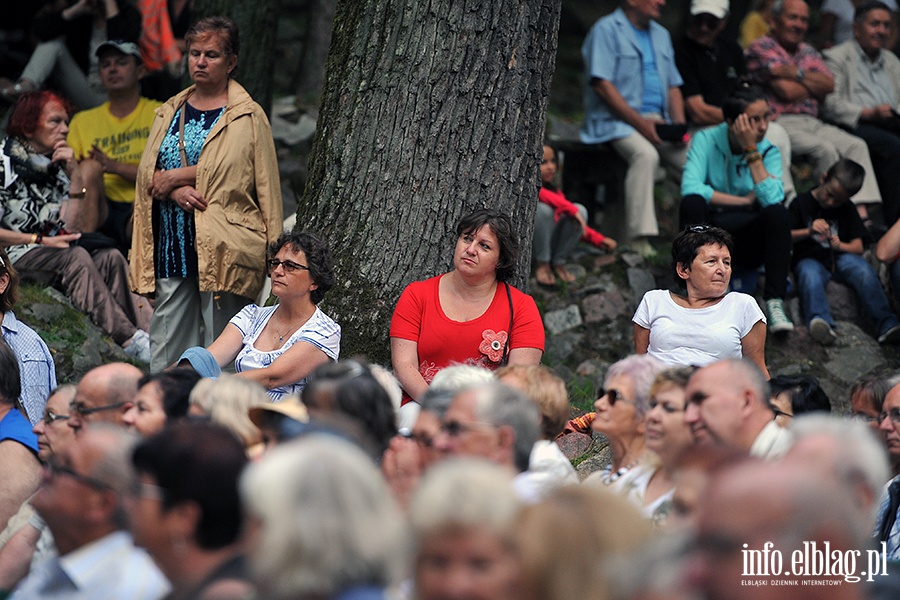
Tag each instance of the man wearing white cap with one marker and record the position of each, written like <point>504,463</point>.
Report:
<point>109,141</point>
<point>711,66</point>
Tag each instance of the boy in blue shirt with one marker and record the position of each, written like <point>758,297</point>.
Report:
<point>828,243</point>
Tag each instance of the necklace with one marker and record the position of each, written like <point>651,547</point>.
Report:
<point>608,477</point>
<point>280,336</point>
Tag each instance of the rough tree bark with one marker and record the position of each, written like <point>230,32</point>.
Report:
<point>430,110</point>
<point>257,23</point>
<point>311,72</point>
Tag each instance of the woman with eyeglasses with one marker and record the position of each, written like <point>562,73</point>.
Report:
<point>207,200</point>
<point>706,322</point>
<point>621,407</point>
<point>732,179</point>
<point>279,346</point>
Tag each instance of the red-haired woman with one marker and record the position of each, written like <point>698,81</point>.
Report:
<point>41,196</point>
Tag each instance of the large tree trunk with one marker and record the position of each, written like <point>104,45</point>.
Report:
<point>430,110</point>
<point>257,23</point>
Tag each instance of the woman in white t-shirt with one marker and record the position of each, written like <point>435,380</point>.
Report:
<point>706,323</point>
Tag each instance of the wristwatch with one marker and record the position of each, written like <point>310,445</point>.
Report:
<point>800,74</point>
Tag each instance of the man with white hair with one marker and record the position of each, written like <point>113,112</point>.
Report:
<point>496,422</point>
<point>728,404</point>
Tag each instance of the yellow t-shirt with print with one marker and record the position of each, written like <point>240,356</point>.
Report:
<point>122,140</point>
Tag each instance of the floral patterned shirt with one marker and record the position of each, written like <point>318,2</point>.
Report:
<point>765,53</point>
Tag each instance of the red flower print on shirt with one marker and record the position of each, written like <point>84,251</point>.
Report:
<point>492,344</point>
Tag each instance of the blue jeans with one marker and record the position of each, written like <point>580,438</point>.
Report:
<point>851,270</point>
<point>895,279</point>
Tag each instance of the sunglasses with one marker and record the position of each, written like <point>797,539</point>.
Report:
<point>457,428</point>
<point>612,396</point>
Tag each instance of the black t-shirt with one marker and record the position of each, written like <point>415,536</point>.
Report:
<point>709,72</point>
<point>805,209</point>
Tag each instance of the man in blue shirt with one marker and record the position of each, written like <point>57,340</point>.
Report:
<point>632,85</point>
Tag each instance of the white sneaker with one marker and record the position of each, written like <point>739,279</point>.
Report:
<point>778,319</point>
<point>821,331</point>
<point>138,347</point>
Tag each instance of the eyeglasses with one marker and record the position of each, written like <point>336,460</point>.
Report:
<point>50,417</point>
<point>779,413</point>
<point>612,396</point>
<point>457,428</point>
<point>56,469</point>
<point>289,265</point>
<point>893,415</point>
<point>864,418</point>
<point>83,410</point>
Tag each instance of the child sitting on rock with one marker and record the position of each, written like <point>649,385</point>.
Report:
<point>828,243</point>
<point>558,226</point>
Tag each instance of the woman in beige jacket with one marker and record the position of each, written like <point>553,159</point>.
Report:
<point>208,200</point>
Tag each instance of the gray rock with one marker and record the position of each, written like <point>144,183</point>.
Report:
<point>558,349</point>
<point>574,445</point>
<point>600,458</point>
<point>844,306</point>
<point>558,321</point>
<point>605,306</point>
<point>855,353</point>
<point>641,282</point>
<point>632,259</point>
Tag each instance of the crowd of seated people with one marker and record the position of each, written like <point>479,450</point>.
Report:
<point>307,476</point>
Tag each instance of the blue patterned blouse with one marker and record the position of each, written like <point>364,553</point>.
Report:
<point>176,253</point>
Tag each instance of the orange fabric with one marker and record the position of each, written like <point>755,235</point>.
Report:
<point>157,42</point>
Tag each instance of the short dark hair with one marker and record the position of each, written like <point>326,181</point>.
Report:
<point>10,295</point>
<point>502,227</point>
<point>218,25</point>
<point>866,7</point>
<point>175,385</point>
<point>848,173</point>
<point>198,461</point>
<point>26,112</point>
<point>805,392</point>
<point>10,378</point>
<point>687,244</point>
<point>353,391</point>
<point>739,98</point>
<point>318,259</point>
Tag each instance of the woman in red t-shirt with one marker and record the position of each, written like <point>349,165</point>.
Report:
<point>469,315</point>
<point>558,226</point>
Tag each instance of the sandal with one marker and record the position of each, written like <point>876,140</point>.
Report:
<point>544,275</point>
<point>564,274</point>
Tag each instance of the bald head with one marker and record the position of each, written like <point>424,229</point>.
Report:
<point>727,403</point>
<point>104,394</point>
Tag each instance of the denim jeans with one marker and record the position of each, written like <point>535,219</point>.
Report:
<point>849,269</point>
<point>895,278</point>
